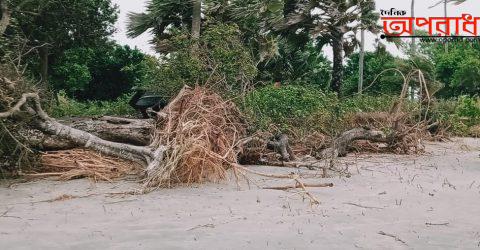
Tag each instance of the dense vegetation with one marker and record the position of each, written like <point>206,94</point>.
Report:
<point>240,48</point>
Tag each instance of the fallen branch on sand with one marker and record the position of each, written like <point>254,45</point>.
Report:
<point>393,236</point>
<point>295,177</point>
<point>357,205</point>
<point>437,224</point>
<point>297,185</point>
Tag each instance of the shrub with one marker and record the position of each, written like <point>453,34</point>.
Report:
<point>14,146</point>
<point>367,103</point>
<point>67,107</point>
<point>102,73</point>
<point>301,110</point>
<point>220,60</point>
<point>457,115</point>
<point>288,107</point>
<point>468,107</point>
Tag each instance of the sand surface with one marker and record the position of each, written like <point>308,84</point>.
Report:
<point>431,201</point>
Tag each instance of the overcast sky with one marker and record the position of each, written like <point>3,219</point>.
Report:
<point>422,9</point>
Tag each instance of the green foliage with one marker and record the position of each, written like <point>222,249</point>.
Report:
<point>159,15</point>
<point>71,72</point>
<point>367,103</point>
<point>103,73</point>
<point>468,107</point>
<point>389,82</point>
<point>219,60</point>
<point>223,52</point>
<point>288,107</point>
<point>458,115</point>
<point>41,30</point>
<point>305,65</point>
<point>459,69</point>
<point>306,109</point>
<point>67,24</point>
<point>68,107</point>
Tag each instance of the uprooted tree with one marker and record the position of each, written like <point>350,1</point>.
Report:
<point>196,137</point>
<point>195,129</point>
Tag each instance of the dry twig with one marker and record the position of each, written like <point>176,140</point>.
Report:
<point>393,236</point>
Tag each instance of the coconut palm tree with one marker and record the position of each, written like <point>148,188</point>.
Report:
<point>445,9</point>
<point>161,16</point>
<point>413,48</point>
<point>196,18</point>
<point>361,61</point>
<point>335,23</point>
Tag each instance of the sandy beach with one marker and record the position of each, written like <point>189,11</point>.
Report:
<point>428,201</point>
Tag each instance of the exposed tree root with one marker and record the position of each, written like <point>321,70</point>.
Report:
<point>79,163</point>
<point>339,148</point>
<point>296,185</point>
<point>194,142</point>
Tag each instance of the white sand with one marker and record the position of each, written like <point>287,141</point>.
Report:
<point>441,186</point>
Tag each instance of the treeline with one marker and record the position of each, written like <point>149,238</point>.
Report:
<point>234,46</point>
<point>267,55</point>
<point>66,46</point>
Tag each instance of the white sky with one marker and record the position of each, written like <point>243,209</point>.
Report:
<point>471,7</point>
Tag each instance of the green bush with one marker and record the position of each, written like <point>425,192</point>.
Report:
<point>367,103</point>
<point>468,107</point>
<point>105,72</point>
<point>305,109</point>
<point>220,60</point>
<point>67,107</point>
<point>458,115</point>
<point>287,107</point>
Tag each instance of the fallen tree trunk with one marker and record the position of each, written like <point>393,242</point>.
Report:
<point>279,144</point>
<point>115,129</point>
<point>46,124</point>
<point>340,144</point>
<point>194,139</point>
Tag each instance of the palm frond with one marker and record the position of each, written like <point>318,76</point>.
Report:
<point>139,23</point>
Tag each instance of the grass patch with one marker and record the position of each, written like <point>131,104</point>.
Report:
<point>68,107</point>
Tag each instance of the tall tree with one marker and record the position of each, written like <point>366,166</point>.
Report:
<point>412,12</point>
<point>361,60</point>
<point>445,11</point>
<point>335,22</point>
<point>196,19</point>
<point>52,26</point>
